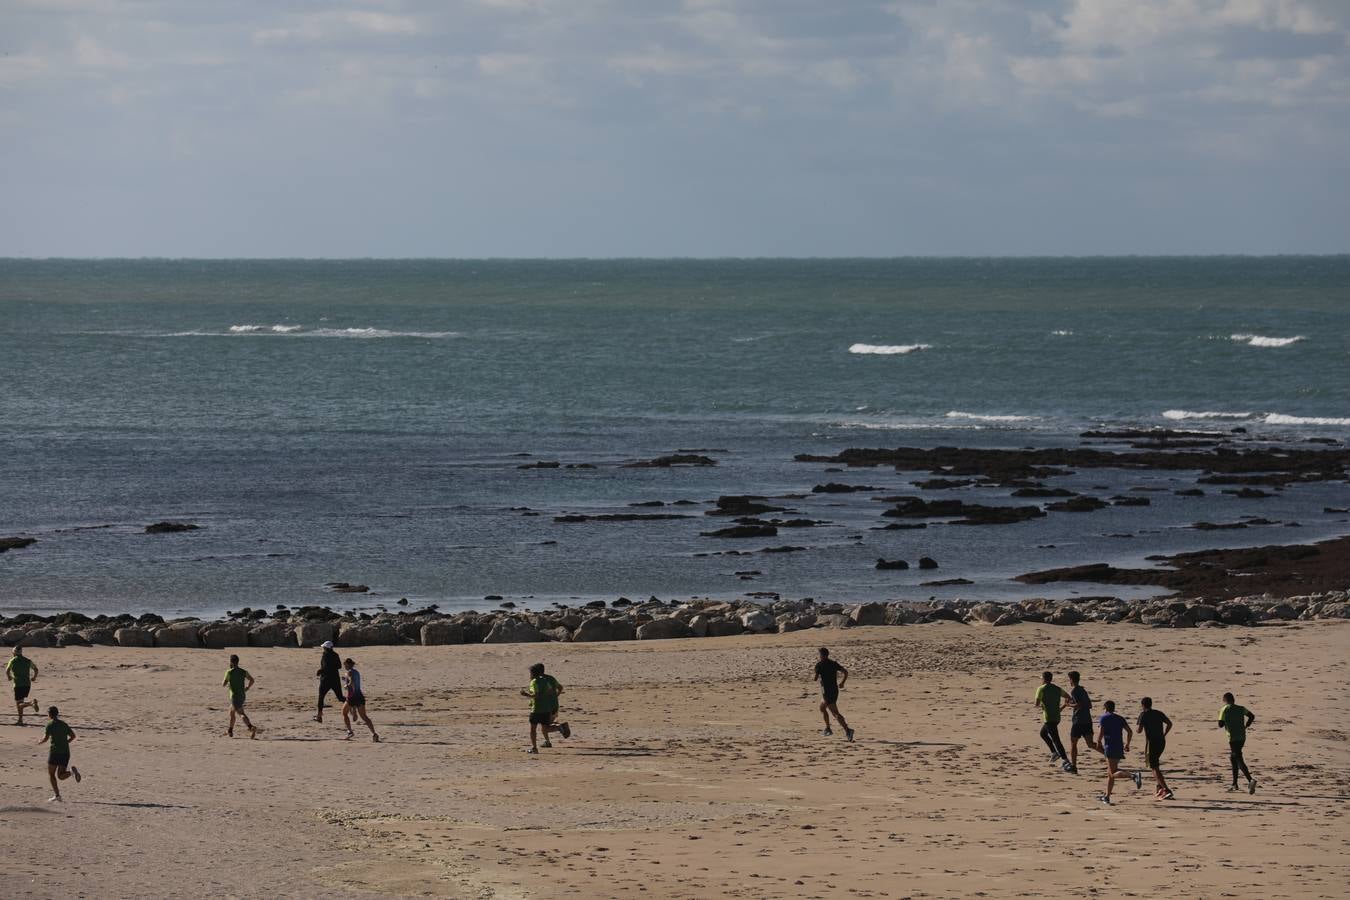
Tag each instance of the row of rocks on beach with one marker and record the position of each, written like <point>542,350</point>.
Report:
<point>650,620</point>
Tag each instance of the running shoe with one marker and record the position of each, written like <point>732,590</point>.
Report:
<point>565,730</point>
<point>827,732</point>
<point>1105,799</point>
<point>375,737</point>
<point>1138,780</point>
<point>55,798</point>
<point>76,772</point>
<point>1168,795</point>
<point>546,744</point>
<point>848,733</point>
<point>350,734</point>
<point>531,750</point>
<point>1251,785</point>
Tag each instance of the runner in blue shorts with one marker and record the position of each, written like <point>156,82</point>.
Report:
<point>1113,737</point>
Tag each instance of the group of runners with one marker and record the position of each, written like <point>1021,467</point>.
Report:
<point>1113,734</point>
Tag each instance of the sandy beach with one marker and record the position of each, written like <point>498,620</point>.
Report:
<point>697,769</point>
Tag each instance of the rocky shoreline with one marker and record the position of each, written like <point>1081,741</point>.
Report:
<point>653,619</point>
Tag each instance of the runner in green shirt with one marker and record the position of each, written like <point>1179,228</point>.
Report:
<point>1237,719</point>
<point>23,672</point>
<point>58,757</point>
<point>543,692</point>
<point>238,681</point>
<point>1050,698</point>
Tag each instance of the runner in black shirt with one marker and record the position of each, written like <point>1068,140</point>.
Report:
<point>1154,725</point>
<point>827,673</point>
<point>1081,704</point>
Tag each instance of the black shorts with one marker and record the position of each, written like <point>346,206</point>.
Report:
<point>1116,753</point>
<point>60,760</point>
<point>1154,754</point>
<point>1081,730</point>
<point>356,699</point>
<point>542,718</point>
<point>21,692</point>
<point>237,703</point>
<point>831,695</point>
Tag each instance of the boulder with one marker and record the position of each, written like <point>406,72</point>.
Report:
<point>900,615</point>
<point>868,614</point>
<point>1283,611</point>
<point>898,565</point>
<point>133,637</point>
<point>1235,614</point>
<point>927,562</point>
<point>312,634</point>
<point>730,627</point>
<point>39,637</point>
<point>557,633</point>
<point>367,634</point>
<point>179,634</point>
<point>508,630</point>
<point>102,637</point>
<point>439,632</point>
<point>985,613</point>
<point>759,620</point>
<point>224,634</point>
<point>834,620</point>
<point>699,624</point>
<point>1065,615</point>
<point>1334,611</point>
<point>943,614</point>
<point>1203,612</point>
<point>271,634</point>
<point>70,639</point>
<point>663,629</point>
<point>1008,618</point>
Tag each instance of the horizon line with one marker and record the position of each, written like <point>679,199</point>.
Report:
<point>860,258</point>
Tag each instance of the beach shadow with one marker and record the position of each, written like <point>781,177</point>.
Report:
<point>337,740</point>
<point>4,810</point>
<point>614,751</point>
<point>914,744</point>
<point>134,805</point>
<point>1212,805</point>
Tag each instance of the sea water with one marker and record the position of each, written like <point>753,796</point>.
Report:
<point>366,421</point>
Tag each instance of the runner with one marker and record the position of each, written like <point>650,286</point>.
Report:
<point>58,757</point>
<point>356,700</point>
<point>23,672</point>
<point>238,681</point>
<point>1237,719</point>
<point>1050,698</point>
<point>1081,704</point>
<point>827,673</point>
<point>543,692</point>
<point>1113,737</point>
<point>330,677</point>
<point>1154,726</point>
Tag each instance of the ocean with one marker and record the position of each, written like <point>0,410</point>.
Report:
<point>366,421</point>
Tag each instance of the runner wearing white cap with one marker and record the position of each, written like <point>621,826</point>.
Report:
<point>330,677</point>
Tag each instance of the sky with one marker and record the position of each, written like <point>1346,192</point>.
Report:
<point>604,128</point>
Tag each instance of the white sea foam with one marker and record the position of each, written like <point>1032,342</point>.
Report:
<point>1261,340</point>
<point>297,331</point>
<point>1178,415</point>
<point>980,417</point>
<point>1062,332</point>
<point>1282,419</point>
<point>374,333</point>
<point>887,349</point>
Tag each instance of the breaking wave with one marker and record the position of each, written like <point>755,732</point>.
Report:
<point>887,349</point>
<point>979,417</point>
<point>1261,340</point>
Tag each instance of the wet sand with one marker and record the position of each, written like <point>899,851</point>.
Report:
<point>697,769</point>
